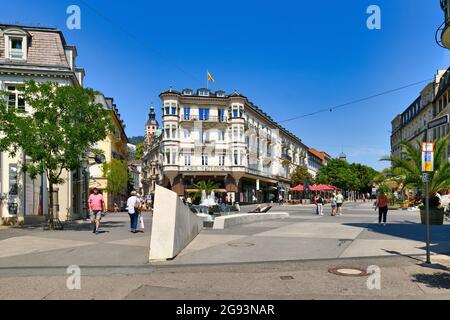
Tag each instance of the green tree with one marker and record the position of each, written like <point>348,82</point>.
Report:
<point>116,173</point>
<point>410,165</point>
<point>300,175</point>
<point>57,134</point>
<point>139,151</point>
<point>365,176</point>
<point>340,174</point>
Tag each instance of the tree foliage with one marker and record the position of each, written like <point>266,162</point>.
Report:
<point>300,175</point>
<point>209,186</point>
<point>139,151</point>
<point>346,176</point>
<point>64,122</point>
<point>116,173</point>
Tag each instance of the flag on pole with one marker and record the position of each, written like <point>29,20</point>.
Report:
<point>210,78</point>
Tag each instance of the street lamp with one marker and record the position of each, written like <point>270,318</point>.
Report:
<point>443,33</point>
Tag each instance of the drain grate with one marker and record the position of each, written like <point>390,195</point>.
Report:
<point>287,278</point>
<point>241,244</point>
<point>348,272</point>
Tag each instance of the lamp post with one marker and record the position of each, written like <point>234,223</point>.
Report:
<point>443,33</point>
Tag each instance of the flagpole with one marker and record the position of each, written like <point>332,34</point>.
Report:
<point>207,80</point>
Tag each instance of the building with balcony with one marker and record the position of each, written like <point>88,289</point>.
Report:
<point>114,146</point>
<point>441,107</point>
<point>412,123</point>
<point>152,158</point>
<point>40,54</point>
<point>226,139</point>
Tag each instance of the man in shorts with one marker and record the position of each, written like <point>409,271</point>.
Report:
<point>339,203</point>
<point>96,208</point>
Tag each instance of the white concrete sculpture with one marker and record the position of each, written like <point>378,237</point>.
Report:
<point>174,225</point>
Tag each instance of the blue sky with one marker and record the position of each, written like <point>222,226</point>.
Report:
<point>288,57</point>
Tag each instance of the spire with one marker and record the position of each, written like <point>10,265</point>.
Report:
<point>152,115</point>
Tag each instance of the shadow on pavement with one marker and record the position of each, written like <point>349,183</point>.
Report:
<point>439,280</point>
<point>409,230</point>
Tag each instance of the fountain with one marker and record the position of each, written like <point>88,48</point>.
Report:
<point>209,208</point>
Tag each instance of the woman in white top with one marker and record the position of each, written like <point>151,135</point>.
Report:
<point>133,205</point>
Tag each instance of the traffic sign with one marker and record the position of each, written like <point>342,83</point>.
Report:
<point>427,157</point>
<point>438,122</point>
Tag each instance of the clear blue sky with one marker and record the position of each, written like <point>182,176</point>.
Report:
<point>288,57</point>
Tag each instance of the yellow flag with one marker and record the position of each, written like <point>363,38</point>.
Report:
<point>210,78</point>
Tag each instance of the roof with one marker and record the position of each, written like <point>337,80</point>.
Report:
<point>318,154</point>
<point>46,48</point>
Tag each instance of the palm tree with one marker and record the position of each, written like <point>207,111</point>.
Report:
<point>208,186</point>
<point>409,167</point>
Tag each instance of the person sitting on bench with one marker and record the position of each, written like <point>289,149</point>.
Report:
<point>261,210</point>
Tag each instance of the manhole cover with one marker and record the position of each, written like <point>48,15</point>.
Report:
<point>287,278</point>
<point>348,272</point>
<point>241,244</point>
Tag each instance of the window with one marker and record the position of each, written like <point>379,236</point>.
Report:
<point>203,114</point>
<point>15,101</point>
<point>187,159</point>
<point>174,109</point>
<point>236,157</point>
<point>204,159</point>
<point>221,115</point>
<point>187,113</point>
<point>187,134</point>
<point>167,132</point>
<point>166,109</point>
<point>205,136</point>
<point>16,49</point>
<point>221,135</point>
<point>221,159</point>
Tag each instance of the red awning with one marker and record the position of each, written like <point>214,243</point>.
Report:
<point>322,187</point>
<point>298,188</point>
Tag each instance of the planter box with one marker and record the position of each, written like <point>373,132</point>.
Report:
<point>436,216</point>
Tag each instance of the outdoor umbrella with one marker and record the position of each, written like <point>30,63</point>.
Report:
<point>298,188</point>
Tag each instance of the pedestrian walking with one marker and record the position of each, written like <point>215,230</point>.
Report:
<point>382,206</point>
<point>254,199</point>
<point>339,203</point>
<point>333,205</point>
<point>319,205</point>
<point>96,208</point>
<point>133,206</point>
<point>280,199</point>
<point>314,202</point>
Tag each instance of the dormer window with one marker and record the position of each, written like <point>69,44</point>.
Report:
<point>16,44</point>
<point>220,94</point>
<point>203,92</point>
<point>187,92</point>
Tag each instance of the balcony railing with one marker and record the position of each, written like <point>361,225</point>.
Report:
<point>203,118</point>
<point>205,168</point>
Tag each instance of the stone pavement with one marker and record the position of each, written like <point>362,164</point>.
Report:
<point>306,236</point>
<point>31,246</point>
<point>242,262</point>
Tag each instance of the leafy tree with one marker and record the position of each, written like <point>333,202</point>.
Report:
<point>116,173</point>
<point>340,174</point>
<point>57,134</point>
<point>139,151</point>
<point>300,175</point>
<point>410,164</point>
<point>365,176</point>
<point>136,140</point>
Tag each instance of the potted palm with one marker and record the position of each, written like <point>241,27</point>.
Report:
<point>410,164</point>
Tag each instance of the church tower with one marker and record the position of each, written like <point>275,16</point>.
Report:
<point>152,125</point>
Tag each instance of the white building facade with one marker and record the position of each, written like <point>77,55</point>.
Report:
<point>228,140</point>
<point>39,54</point>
